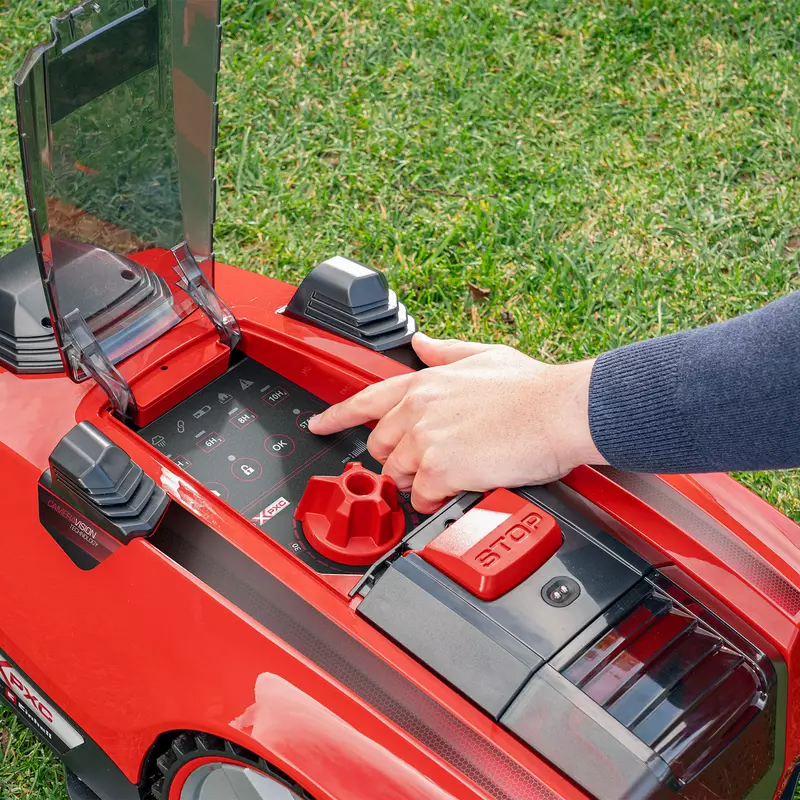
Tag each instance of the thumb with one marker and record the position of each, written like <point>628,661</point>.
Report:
<point>437,352</point>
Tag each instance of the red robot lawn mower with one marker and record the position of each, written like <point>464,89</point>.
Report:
<point>201,600</point>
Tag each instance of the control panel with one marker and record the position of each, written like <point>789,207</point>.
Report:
<point>245,437</point>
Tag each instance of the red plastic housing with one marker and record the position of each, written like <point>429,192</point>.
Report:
<point>353,518</point>
<point>495,545</point>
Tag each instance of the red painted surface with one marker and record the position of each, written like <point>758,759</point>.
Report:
<point>495,545</point>
<point>138,646</point>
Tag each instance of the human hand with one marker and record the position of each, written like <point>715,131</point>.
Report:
<point>481,417</point>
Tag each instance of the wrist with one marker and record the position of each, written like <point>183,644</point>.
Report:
<point>573,429</point>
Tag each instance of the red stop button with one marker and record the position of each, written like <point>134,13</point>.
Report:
<point>495,545</point>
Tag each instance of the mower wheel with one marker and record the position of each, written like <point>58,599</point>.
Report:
<point>197,766</point>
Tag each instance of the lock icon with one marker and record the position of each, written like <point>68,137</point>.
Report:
<point>246,469</point>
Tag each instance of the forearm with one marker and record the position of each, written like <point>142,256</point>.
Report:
<point>721,398</point>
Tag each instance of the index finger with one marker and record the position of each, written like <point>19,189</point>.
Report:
<point>369,404</point>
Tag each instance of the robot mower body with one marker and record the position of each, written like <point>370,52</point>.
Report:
<point>200,600</point>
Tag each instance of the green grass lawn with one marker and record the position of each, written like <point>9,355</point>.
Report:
<point>599,171</point>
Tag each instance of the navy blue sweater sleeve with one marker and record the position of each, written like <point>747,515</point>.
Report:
<point>721,398</point>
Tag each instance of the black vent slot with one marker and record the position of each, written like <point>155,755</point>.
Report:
<point>88,467</point>
<point>354,301</point>
<point>679,685</point>
<point>27,343</point>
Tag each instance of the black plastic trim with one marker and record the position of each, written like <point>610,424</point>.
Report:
<point>549,498</point>
<point>94,497</point>
<point>603,573</point>
<point>355,302</point>
<point>406,355</point>
<point>27,342</point>
<point>77,789</point>
<point>464,646</point>
<point>562,724</point>
<point>792,785</point>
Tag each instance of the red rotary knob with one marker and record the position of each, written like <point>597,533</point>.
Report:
<point>354,518</point>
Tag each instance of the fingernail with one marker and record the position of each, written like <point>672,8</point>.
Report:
<point>312,422</point>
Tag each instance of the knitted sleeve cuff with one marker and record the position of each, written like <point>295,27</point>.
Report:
<point>635,414</point>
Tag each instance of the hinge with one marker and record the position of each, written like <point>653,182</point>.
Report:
<point>84,349</point>
<point>194,282</point>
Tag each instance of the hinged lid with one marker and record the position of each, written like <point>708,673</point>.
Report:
<point>117,121</point>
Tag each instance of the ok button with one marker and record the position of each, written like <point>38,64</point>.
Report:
<point>279,445</point>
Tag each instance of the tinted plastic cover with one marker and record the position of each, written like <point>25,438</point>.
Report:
<point>117,123</point>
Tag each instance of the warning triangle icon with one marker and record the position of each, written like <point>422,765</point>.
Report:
<point>245,384</point>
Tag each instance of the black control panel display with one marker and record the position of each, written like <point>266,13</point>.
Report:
<point>245,436</point>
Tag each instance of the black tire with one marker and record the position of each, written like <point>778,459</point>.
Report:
<point>191,746</point>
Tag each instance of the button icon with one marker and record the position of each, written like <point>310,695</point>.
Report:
<point>224,397</point>
<point>275,396</point>
<point>159,441</point>
<point>279,445</point>
<point>244,418</point>
<point>302,420</point>
<point>245,384</point>
<point>182,462</point>
<point>219,489</point>
<point>201,412</point>
<point>211,442</point>
<point>246,469</point>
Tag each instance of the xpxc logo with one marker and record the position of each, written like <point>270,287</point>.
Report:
<point>506,543</point>
<point>12,680</point>
<point>270,511</point>
<point>34,710</point>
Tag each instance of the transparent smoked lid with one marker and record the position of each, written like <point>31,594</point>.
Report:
<point>117,124</point>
